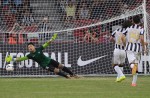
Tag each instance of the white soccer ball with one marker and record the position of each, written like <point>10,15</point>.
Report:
<point>10,67</point>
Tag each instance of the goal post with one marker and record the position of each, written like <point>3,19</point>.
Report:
<point>83,28</point>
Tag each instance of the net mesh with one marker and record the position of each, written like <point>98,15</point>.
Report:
<point>83,27</point>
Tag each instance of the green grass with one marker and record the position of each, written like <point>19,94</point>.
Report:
<point>96,87</point>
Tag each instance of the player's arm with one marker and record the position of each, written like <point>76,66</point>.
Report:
<point>21,59</point>
<point>142,39</point>
<point>112,38</point>
<point>9,59</point>
<point>123,37</point>
<point>142,42</point>
<point>51,40</point>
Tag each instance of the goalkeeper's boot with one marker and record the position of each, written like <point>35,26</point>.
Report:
<point>74,76</point>
<point>122,78</point>
<point>133,84</point>
<point>134,69</point>
<point>68,77</point>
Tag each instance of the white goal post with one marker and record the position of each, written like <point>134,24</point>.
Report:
<point>83,27</point>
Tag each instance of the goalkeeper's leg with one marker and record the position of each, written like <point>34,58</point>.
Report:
<point>58,72</point>
<point>65,69</point>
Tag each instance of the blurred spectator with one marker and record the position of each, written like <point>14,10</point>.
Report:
<point>142,20</point>
<point>70,11</point>
<point>79,35</point>
<point>44,24</point>
<point>94,37</point>
<point>12,39</point>
<point>95,33</point>
<point>12,7</point>
<point>44,27</point>
<point>27,3</point>
<point>17,32</point>
<point>103,37</point>
<point>60,6</point>
<point>5,2</point>
<point>92,34</point>
<point>124,8</point>
<point>87,36</point>
<point>128,2</point>
<point>17,2</point>
<point>28,19</point>
<point>26,6</point>
<point>84,12</point>
<point>98,9</point>
<point>19,14</point>
<point>9,19</point>
<point>16,27</point>
<point>63,4</point>
<point>0,10</point>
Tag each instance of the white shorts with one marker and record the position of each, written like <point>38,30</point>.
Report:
<point>133,57</point>
<point>119,56</point>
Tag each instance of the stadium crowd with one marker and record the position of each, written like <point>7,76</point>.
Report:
<point>17,17</point>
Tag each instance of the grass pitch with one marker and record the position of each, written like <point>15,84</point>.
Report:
<point>94,87</point>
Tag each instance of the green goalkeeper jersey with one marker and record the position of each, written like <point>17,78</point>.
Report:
<point>39,57</point>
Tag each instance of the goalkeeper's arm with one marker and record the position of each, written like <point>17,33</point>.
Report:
<point>21,59</point>
<point>51,40</point>
<point>9,59</point>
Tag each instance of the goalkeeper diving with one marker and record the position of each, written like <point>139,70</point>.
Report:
<point>45,62</point>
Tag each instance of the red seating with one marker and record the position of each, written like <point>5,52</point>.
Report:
<point>34,40</point>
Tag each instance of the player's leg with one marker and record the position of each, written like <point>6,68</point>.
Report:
<point>121,67</point>
<point>116,64</point>
<point>135,70</point>
<point>113,65</point>
<point>65,69</point>
<point>58,72</point>
<point>133,65</point>
<point>122,61</point>
<point>134,73</point>
<point>120,75</point>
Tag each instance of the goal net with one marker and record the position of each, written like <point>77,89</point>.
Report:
<point>83,26</point>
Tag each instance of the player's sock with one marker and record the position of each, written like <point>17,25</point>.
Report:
<point>118,70</point>
<point>117,79</point>
<point>134,79</point>
<point>65,69</point>
<point>134,68</point>
<point>62,74</point>
<point>118,76</point>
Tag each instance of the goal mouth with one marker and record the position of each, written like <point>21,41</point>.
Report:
<point>83,29</point>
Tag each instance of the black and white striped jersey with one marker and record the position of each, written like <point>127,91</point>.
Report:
<point>28,20</point>
<point>117,34</point>
<point>132,34</point>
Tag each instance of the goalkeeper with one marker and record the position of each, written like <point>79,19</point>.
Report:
<point>46,63</point>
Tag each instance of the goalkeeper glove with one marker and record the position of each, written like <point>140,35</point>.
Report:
<point>54,37</point>
<point>10,58</point>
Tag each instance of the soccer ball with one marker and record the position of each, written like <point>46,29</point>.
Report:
<point>10,67</point>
